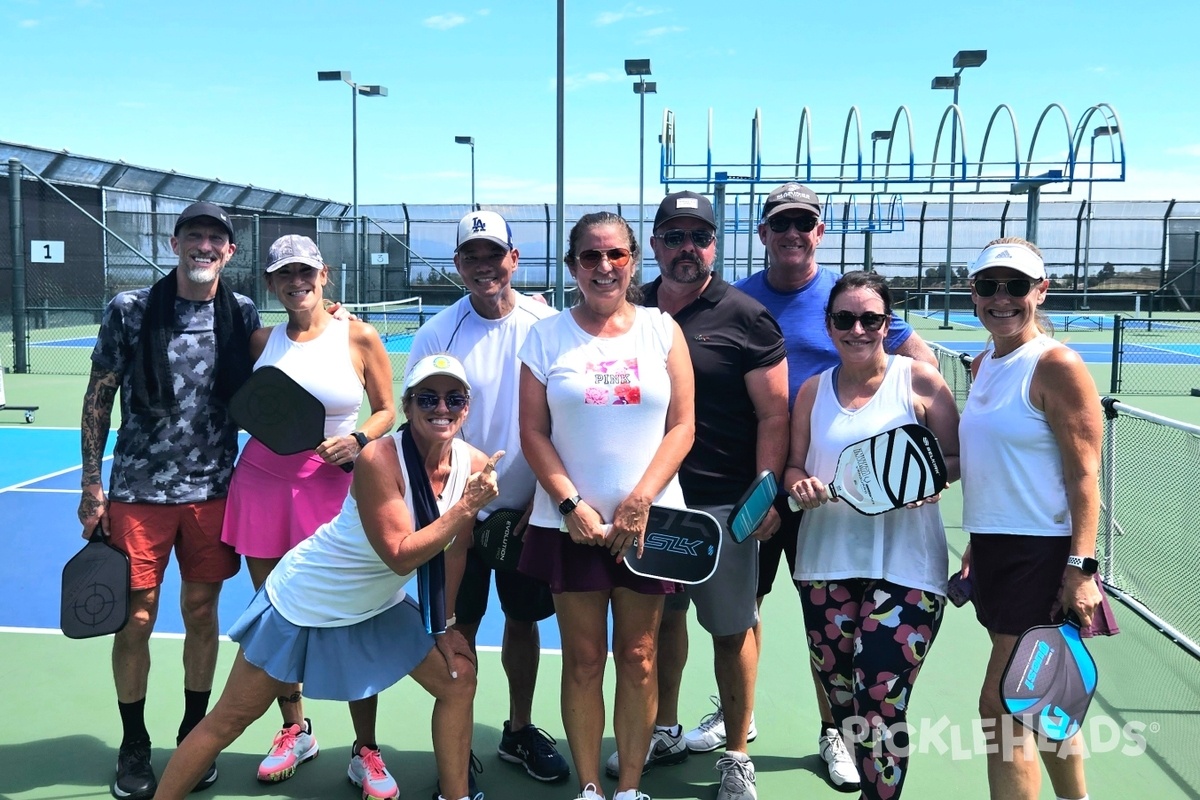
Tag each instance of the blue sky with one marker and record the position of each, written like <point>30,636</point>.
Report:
<point>229,90</point>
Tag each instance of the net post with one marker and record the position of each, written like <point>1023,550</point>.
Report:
<point>1114,382</point>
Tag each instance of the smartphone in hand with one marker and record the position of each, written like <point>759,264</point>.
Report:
<point>958,589</point>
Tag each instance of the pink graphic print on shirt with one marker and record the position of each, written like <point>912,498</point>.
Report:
<point>612,382</point>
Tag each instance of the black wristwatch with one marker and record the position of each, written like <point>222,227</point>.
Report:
<point>361,438</point>
<point>569,505</point>
<point>1089,566</point>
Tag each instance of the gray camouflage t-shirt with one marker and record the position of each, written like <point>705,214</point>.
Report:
<point>182,459</point>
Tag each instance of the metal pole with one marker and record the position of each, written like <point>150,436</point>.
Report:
<point>17,232</point>
<point>354,169</point>
<point>1087,239</point>
<point>641,170</point>
<point>472,173</point>
<point>559,202</point>
<point>949,272</point>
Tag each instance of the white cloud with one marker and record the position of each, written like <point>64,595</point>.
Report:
<point>662,30</point>
<point>574,82</point>
<point>628,11</point>
<point>483,12</point>
<point>444,22</point>
<point>1185,150</point>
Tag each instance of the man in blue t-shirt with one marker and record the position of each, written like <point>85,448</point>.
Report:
<point>795,289</point>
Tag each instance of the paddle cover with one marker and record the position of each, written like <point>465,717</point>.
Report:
<point>682,545</point>
<point>752,509</point>
<point>890,470</point>
<point>95,590</point>
<point>280,413</point>
<point>495,539</point>
<point>1049,680</point>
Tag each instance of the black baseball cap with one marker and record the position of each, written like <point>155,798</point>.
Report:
<point>791,197</point>
<point>685,204</point>
<point>203,209</point>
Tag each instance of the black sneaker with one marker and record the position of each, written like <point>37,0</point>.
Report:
<point>135,777</point>
<point>210,775</point>
<point>534,748</point>
<point>475,766</point>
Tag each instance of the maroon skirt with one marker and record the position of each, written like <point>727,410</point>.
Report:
<point>550,556</point>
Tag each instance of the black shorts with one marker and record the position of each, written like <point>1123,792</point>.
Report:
<point>522,598</point>
<point>783,543</point>
<point>1016,579</point>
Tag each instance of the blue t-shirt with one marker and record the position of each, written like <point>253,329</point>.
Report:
<point>801,316</point>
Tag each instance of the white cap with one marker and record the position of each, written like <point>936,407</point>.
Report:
<point>1012,256</point>
<point>436,364</point>
<point>486,225</point>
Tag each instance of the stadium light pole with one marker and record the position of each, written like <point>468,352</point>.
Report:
<point>640,68</point>
<point>1104,130</point>
<point>876,138</point>
<point>367,90</point>
<point>963,59</point>
<point>471,141</point>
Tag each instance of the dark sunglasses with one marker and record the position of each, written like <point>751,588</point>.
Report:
<point>803,224</point>
<point>428,401</point>
<point>674,238</point>
<point>1016,287</point>
<point>590,259</point>
<point>844,320</point>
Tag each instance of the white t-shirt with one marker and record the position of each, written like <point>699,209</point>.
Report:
<point>323,367</point>
<point>334,577</point>
<point>488,349</point>
<point>905,546</point>
<point>608,399</point>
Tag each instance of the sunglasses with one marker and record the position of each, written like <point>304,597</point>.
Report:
<point>1016,287</point>
<point>844,320</point>
<point>803,224</point>
<point>674,238</point>
<point>590,259</point>
<point>428,401</point>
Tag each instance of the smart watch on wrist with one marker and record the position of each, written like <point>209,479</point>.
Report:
<point>569,505</point>
<point>361,438</point>
<point>1088,566</point>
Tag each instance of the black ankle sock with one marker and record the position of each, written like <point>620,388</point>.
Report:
<point>358,746</point>
<point>825,726</point>
<point>133,722</point>
<point>195,706</point>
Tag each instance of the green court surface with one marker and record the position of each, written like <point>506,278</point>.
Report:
<point>60,727</point>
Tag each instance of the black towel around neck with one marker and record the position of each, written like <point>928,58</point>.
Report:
<point>431,576</point>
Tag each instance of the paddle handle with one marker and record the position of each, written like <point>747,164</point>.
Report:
<point>97,533</point>
<point>347,467</point>
<point>794,506</point>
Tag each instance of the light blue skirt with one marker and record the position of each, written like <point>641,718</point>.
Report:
<point>351,662</point>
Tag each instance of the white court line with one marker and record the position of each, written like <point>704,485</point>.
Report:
<point>42,491</point>
<point>23,484</point>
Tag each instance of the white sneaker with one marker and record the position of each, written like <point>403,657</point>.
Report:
<point>710,733</point>
<point>665,749</point>
<point>737,779</point>
<point>590,792</point>
<point>843,774</point>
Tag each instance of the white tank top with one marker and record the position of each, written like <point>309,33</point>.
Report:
<point>334,577</point>
<point>1012,475</point>
<point>905,546</point>
<point>323,367</point>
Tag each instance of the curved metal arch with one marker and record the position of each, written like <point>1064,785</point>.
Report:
<point>804,127</point>
<point>666,147</point>
<point>956,112</point>
<point>1037,129</point>
<point>987,134</point>
<point>756,145</point>
<point>1111,120</point>
<point>856,117</point>
<point>912,158</point>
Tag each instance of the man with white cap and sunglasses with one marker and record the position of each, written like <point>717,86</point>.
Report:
<point>485,330</point>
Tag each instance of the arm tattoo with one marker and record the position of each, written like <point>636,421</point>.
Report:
<point>94,425</point>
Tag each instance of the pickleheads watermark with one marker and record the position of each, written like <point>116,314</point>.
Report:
<point>1098,734</point>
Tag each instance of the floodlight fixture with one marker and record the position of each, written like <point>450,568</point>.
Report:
<point>945,82</point>
<point>336,75</point>
<point>645,87</point>
<point>469,140</point>
<point>880,136</point>
<point>969,58</point>
<point>637,66</point>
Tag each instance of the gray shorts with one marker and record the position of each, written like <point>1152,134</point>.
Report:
<point>726,604</point>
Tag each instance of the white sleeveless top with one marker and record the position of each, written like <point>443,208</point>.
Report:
<point>1012,474</point>
<point>334,577</point>
<point>905,546</point>
<point>323,367</point>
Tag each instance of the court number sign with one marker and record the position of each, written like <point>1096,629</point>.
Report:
<point>45,252</point>
<point>379,259</point>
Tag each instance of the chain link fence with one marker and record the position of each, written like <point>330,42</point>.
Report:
<point>1156,356</point>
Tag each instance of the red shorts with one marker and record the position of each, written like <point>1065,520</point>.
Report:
<point>147,533</point>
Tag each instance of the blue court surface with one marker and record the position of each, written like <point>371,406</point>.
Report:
<point>1181,353</point>
<point>39,495</point>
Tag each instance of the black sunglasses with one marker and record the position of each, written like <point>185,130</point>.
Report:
<point>1016,287</point>
<point>803,224</point>
<point>428,401</point>
<point>844,320</point>
<point>674,238</point>
<point>590,259</point>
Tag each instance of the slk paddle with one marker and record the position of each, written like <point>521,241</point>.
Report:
<point>1049,680</point>
<point>95,590</point>
<point>280,413</point>
<point>888,471</point>
<point>682,545</point>
<point>752,509</point>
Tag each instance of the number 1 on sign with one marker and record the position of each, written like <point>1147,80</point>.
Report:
<point>46,252</point>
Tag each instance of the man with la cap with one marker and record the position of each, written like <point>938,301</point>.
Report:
<point>485,330</point>
<point>738,356</point>
<point>177,351</point>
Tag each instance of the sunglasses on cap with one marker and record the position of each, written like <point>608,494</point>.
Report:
<point>1016,287</point>
<point>803,224</point>
<point>590,259</point>
<point>844,320</point>
<point>428,400</point>
<point>674,238</point>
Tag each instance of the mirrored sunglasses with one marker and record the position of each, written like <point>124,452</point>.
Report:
<point>590,259</point>
<point>428,401</point>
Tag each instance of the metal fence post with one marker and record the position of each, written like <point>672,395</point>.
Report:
<point>20,360</point>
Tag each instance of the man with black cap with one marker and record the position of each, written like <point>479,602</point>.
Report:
<point>177,351</point>
<point>737,353</point>
<point>795,289</point>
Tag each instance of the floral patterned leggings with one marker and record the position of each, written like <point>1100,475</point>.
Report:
<point>867,640</point>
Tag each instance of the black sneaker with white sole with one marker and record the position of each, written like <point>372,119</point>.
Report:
<point>135,777</point>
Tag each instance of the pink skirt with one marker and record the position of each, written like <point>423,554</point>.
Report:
<point>275,502</point>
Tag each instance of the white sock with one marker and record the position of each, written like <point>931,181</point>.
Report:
<point>737,755</point>
<point>628,794</point>
<point>1085,797</point>
<point>674,730</point>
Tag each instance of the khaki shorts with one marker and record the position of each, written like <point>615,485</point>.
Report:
<point>726,603</point>
<point>148,533</point>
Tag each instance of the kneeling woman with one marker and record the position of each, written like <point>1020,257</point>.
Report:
<point>337,598</point>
